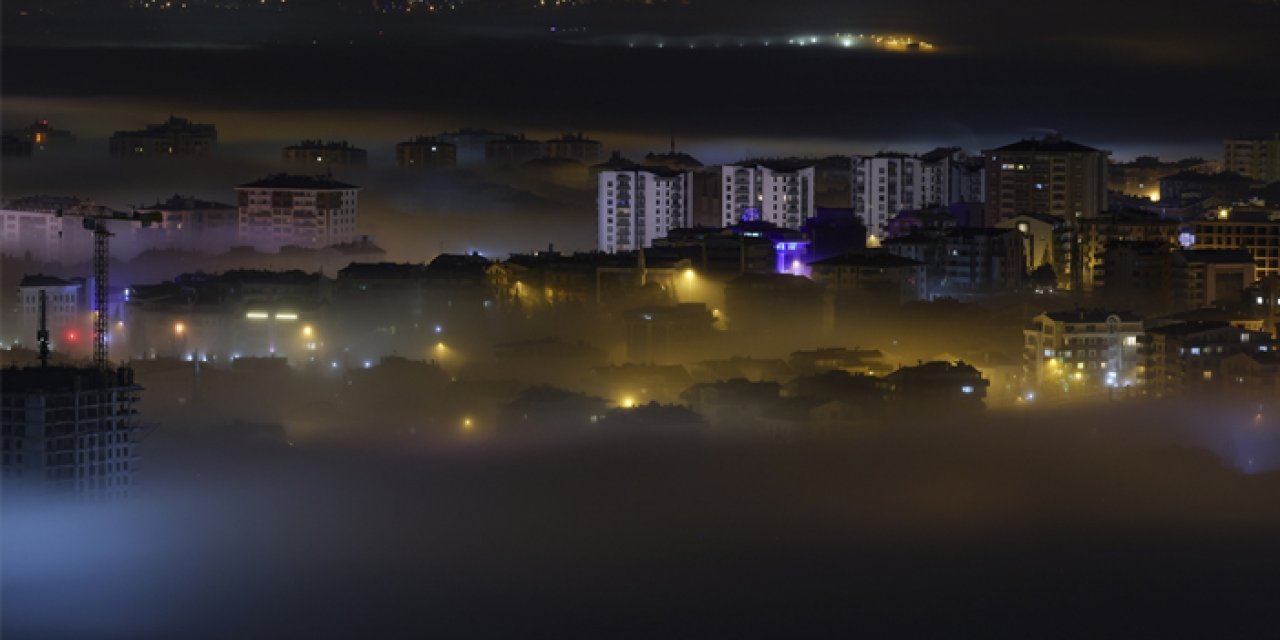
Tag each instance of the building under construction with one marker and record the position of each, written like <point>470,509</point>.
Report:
<point>69,430</point>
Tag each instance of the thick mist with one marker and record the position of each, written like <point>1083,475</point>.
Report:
<point>1011,526</point>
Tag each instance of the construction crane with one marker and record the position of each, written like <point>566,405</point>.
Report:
<point>101,235</point>
<point>42,335</point>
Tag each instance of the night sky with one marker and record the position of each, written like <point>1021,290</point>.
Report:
<point>1171,78</point>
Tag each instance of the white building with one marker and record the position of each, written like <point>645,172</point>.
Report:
<point>773,193</point>
<point>51,229</point>
<point>887,183</point>
<point>636,206</point>
<point>1082,351</point>
<point>68,307</point>
<point>303,211</point>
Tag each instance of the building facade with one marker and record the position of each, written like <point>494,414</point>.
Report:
<point>887,183</point>
<point>291,210</point>
<point>51,229</point>
<point>1082,351</point>
<point>424,152</point>
<point>1257,232</point>
<point>173,137</point>
<point>1051,175</point>
<point>576,147</point>
<point>779,194</point>
<point>68,312</point>
<point>636,207</point>
<point>69,431</point>
<point>318,153</point>
<point>1256,157</point>
<point>192,224</point>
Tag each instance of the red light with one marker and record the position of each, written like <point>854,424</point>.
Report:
<point>44,123</point>
<point>72,336</point>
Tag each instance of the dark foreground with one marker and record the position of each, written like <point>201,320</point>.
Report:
<point>973,534</point>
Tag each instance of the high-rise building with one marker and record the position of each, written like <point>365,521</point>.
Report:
<point>192,224</point>
<point>1256,157</point>
<point>1083,350</point>
<point>292,210</point>
<point>69,430</point>
<point>318,153</point>
<point>512,150</point>
<point>425,152</point>
<point>1255,231</point>
<point>574,146</point>
<point>470,144</point>
<point>777,193</point>
<point>637,206</point>
<point>1050,175</point>
<point>68,312</point>
<point>887,183</point>
<point>51,229</point>
<point>41,135</point>
<point>173,137</point>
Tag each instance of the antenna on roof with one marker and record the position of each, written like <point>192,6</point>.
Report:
<point>673,145</point>
<point>42,334</point>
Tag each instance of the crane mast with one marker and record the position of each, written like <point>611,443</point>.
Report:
<point>100,264</point>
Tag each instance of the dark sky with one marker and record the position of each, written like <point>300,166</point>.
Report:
<point>1171,77</point>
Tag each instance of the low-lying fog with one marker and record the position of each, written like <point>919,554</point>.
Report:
<point>1079,523</point>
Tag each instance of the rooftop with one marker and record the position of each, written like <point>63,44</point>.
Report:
<point>1097,316</point>
<point>186,203</point>
<point>1189,328</point>
<point>41,280</point>
<point>289,181</point>
<point>1216,256</point>
<point>877,259</point>
<point>62,379</point>
<point>1049,144</point>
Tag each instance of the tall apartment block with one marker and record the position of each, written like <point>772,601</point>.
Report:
<point>69,430</point>
<point>576,147</point>
<point>1051,175</point>
<point>777,193</point>
<point>1256,157</point>
<point>1256,231</point>
<point>426,152</point>
<point>173,137</point>
<point>317,153</point>
<point>635,206</point>
<point>887,183</point>
<point>292,210</point>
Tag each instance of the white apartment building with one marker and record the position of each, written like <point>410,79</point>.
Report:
<point>636,206</point>
<point>1082,351</point>
<point>51,229</point>
<point>68,310</point>
<point>774,193</point>
<point>303,211</point>
<point>888,183</point>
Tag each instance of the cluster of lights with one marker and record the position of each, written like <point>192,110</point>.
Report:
<point>284,316</point>
<point>894,43</point>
